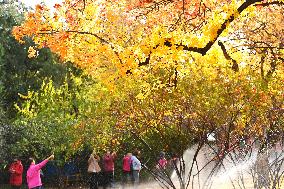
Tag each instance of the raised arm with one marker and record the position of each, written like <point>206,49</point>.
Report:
<point>91,158</point>
<point>43,163</point>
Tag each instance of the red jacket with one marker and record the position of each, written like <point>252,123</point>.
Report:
<point>108,161</point>
<point>16,171</point>
<point>126,163</point>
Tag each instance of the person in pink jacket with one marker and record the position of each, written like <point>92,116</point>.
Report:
<point>33,173</point>
<point>162,162</point>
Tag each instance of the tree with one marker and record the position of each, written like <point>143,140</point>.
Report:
<point>173,66</point>
<point>20,74</point>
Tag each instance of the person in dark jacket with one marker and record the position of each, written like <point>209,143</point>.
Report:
<point>16,174</point>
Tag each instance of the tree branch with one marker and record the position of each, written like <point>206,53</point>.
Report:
<point>235,65</point>
<point>261,66</point>
<point>102,40</point>
<point>206,48</point>
<point>270,3</point>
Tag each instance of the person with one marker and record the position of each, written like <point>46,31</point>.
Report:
<point>136,167</point>
<point>174,161</point>
<point>161,169</point>
<point>162,162</point>
<point>126,168</point>
<point>33,173</point>
<point>94,169</point>
<point>16,174</point>
<point>108,162</point>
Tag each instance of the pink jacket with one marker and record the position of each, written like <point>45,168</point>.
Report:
<point>162,163</point>
<point>33,174</point>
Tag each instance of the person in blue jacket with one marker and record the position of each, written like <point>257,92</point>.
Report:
<point>136,167</point>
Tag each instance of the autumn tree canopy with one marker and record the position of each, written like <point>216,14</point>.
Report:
<point>175,70</point>
<point>119,37</point>
<point>136,48</point>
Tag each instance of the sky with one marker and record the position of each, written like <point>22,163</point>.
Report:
<point>32,3</point>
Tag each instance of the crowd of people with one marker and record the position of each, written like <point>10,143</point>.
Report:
<point>100,170</point>
<point>131,166</point>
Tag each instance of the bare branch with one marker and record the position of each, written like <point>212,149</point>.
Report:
<point>235,65</point>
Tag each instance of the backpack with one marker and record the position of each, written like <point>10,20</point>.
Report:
<point>131,164</point>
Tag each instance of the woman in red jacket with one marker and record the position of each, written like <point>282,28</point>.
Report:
<point>16,173</point>
<point>108,162</point>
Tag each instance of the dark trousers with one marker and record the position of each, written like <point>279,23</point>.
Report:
<point>126,178</point>
<point>15,187</point>
<point>135,175</point>
<point>38,187</point>
<point>109,179</point>
<point>94,180</point>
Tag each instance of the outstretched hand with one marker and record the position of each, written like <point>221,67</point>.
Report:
<point>51,157</point>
